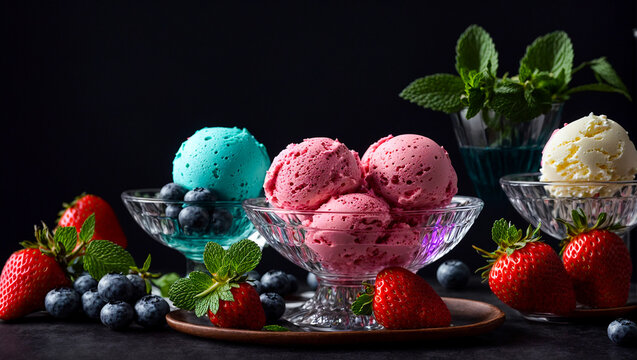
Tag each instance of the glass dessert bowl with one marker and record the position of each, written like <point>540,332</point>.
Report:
<point>343,249</point>
<point>545,201</point>
<point>150,214</point>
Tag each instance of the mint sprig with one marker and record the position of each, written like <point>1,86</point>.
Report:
<point>103,257</point>
<point>545,73</point>
<point>202,292</point>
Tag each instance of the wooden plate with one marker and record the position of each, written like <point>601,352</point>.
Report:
<point>468,318</point>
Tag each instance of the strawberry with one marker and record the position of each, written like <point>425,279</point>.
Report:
<point>527,274</point>
<point>27,276</point>
<point>597,260</point>
<point>401,299</point>
<point>106,225</point>
<point>244,312</point>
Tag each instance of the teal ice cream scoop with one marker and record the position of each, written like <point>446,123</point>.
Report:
<point>229,161</point>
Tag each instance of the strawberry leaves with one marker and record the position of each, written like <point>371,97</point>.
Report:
<point>580,225</point>
<point>202,292</point>
<point>509,239</point>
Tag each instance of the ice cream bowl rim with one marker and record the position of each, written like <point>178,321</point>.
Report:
<point>129,195</point>
<point>510,180</point>
<point>469,203</point>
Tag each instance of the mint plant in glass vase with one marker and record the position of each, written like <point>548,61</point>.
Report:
<point>502,123</point>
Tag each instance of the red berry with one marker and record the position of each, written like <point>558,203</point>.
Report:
<point>404,300</point>
<point>532,279</point>
<point>599,265</point>
<point>245,312</point>
<point>107,226</point>
<point>26,278</point>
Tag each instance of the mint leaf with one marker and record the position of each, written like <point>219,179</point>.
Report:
<point>103,257</point>
<point>209,302</point>
<point>509,100</point>
<point>597,87</point>
<point>363,304</point>
<point>213,257</point>
<point>88,229</point>
<point>164,282</point>
<point>476,96</point>
<point>200,281</point>
<point>182,294</point>
<point>243,256</point>
<point>225,293</point>
<point>67,237</point>
<point>604,71</point>
<point>475,50</point>
<point>439,92</point>
<point>552,53</point>
<point>275,328</point>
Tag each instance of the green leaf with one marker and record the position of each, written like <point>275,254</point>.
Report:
<point>213,257</point>
<point>225,293</point>
<point>146,265</point>
<point>605,72</point>
<point>182,294</point>
<point>499,231</point>
<point>475,50</point>
<point>209,302</point>
<point>243,256</point>
<point>275,328</point>
<point>509,101</point>
<point>439,92</point>
<point>200,281</point>
<point>598,87</point>
<point>552,53</point>
<point>67,236</point>
<point>363,304</point>
<point>103,257</point>
<point>164,282</point>
<point>88,229</point>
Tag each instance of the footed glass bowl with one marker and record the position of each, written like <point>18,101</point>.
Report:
<point>547,200</point>
<point>150,213</point>
<point>344,249</point>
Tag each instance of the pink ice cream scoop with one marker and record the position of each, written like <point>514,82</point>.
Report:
<point>304,176</point>
<point>410,172</point>
<point>352,236</point>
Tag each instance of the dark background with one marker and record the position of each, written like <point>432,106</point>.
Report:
<point>100,94</point>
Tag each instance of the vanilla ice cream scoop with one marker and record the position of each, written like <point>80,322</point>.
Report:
<point>593,148</point>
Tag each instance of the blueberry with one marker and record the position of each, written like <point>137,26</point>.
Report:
<point>62,302</point>
<point>172,211</point>
<point>253,275</point>
<point>256,284</point>
<point>194,218</point>
<point>623,332</point>
<point>151,311</point>
<point>273,305</point>
<point>294,284</point>
<point>117,315</point>
<point>221,221</point>
<point>139,286</point>
<point>172,191</point>
<point>92,304</point>
<point>453,274</point>
<point>312,282</point>
<point>276,281</point>
<point>84,283</point>
<point>200,194</point>
<point>115,287</point>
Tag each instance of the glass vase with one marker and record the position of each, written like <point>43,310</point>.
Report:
<point>493,146</point>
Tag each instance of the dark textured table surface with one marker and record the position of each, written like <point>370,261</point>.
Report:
<point>41,337</point>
